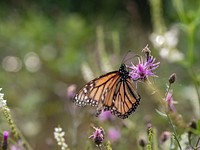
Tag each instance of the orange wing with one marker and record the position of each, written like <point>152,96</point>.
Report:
<point>93,92</point>
<point>113,91</point>
<point>122,100</point>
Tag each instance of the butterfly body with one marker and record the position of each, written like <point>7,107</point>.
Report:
<point>113,91</point>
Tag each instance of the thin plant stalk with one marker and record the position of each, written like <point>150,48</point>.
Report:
<point>195,82</point>
<point>153,88</point>
<point>99,147</point>
<point>174,131</point>
<point>198,141</point>
<point>15,131</point>
<point>171,123</point>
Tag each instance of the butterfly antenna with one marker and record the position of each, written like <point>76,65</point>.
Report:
<point>125,55</point>
<point>126,59</point>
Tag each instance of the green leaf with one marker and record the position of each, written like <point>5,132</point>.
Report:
<point>161,113</point>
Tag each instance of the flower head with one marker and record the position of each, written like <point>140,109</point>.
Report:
<point>5,140</point>
<point>170,101</point>
<point>5,135</point>
<point>2,101</point>
<point>98,136</point>
<point>59,136</point>
<point>113,134</point>
<point>143,69</point>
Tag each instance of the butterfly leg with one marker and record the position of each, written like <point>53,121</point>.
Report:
<point>99,110</point>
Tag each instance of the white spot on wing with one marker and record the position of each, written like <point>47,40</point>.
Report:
<point>84,90</point>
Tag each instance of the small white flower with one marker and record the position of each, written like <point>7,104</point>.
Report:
<point>172,55</point>
<point>59,136</point>
<point>171,37</point>
<point>157,40</point>
<point>59,129</point>
<point>2,101</point>
<point>166,44</point>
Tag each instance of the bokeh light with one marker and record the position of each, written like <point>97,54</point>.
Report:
<point>11,64</point>
<point>32,62</point>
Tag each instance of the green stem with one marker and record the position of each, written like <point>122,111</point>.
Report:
<point>116,42</point>
<point>157,16</point>
<point>195,82</point>
<point>190,141</point>
<point>169,87</point>
<point>155,143</point>
<point>198,142</point>
<point>170,122</point>
<point>174,130</point>
<point>167,112</point>
<point>15,131</point>
<point>178,5</point>
<point>191,29</point>
<point>150,136</point>
<point>99,147</point>
<point>157,94</point>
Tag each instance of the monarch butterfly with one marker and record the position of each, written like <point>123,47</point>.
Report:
<point>112,92</point>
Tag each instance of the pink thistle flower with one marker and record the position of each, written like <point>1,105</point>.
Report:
<point>143,69</point>
<point>98,136</point>
<point>170,101</point>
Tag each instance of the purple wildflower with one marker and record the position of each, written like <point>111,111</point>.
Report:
<point>5,140</point>
<point>114,134</point>
<point>143,69</point>
<point>106,115</point>
<point>170,101</point>
<point>98,136</point>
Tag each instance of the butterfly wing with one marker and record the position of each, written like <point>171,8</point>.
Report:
<point>93,92</point>
<point>123,99</point>
<point>113,91</point>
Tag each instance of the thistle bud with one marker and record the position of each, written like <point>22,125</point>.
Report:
<point>172,78</point>
<point>98,136</point>
<point>142,142</point>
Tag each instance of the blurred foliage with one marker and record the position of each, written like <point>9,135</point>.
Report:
<point>44,44</point>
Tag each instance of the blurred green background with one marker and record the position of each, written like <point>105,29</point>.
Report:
<point>46,45</point>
